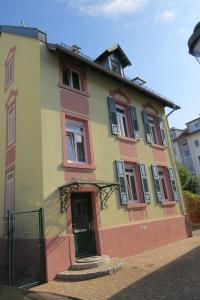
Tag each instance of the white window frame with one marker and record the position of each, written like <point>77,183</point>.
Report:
<point>151,122</point>
<point>11,119</point>
<point>10,191</point>
<point>160,169</point>
<point>129,174</point>
<point>70,79</point>
<point>73,134</point>
<point>9,72</point>
<point>120,116</point>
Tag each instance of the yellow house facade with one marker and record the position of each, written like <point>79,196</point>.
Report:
<point>88,146</point>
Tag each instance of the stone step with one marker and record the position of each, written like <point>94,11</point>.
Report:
<point>90,262</point>
<point>114,265</point>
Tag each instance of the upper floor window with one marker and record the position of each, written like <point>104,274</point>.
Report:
<point>9,72</point>
<point>195,126</point>
<point>185,151</point>
<point>11,115</point>
<point>196,142</point>
<point>130,174</point>
<point>76,142</point>
<point>115,66</point>
<point>122,121</point>
<point>165,183</point>
<point>154,129</point>
<point>133,182</point>
<point>71,78</point>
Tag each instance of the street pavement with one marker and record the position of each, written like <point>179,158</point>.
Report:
<point>171,272</point>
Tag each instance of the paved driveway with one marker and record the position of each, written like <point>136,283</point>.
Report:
<point>170,272</point>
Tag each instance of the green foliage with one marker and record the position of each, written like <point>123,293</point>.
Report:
<point>189,182</point>
<point>192,203</point>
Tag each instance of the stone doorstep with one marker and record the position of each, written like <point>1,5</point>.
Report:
<point>90,262</point>
<point>111,267</point>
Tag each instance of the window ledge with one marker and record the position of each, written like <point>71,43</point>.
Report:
<point>88,167</point>
<point>65,87</point>
<point>136,205</point>
<point>168,203</point>
<point>156,146</point>
<point>127,139</point>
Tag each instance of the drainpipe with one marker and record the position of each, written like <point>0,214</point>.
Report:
<point>174,162</point>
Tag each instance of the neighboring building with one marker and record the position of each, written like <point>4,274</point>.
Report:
<point>186,144</point>
<point>71,129</point>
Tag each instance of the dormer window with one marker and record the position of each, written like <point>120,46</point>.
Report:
<point>115,66</point>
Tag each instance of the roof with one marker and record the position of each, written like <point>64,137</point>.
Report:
<point>118,50</point>
<point>193,120</point>
<point>99,67</point>
<point>82,180</point>
<point>185,134</point>
<point>24,31</point>
<point>40,35</point>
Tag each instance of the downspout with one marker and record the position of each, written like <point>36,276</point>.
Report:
<point>174,162</point>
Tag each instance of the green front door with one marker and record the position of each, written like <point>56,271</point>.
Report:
<point>82,222</point>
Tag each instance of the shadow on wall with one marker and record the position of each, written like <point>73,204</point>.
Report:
<point>177,280</point>
<point>55,221</point>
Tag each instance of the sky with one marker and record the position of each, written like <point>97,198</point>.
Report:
<point>152,33</point>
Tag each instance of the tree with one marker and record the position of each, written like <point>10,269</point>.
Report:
<point>189,182</point>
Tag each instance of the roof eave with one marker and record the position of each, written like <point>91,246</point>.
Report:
<point>142,89</point>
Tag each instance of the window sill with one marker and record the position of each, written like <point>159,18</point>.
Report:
<point>88,167</point>
<point>127,139</point>
<point>156,146</point>
<point>65,87</point>
<point>168,203</point>
<point>136,205</point>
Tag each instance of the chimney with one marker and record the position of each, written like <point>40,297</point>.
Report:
<point>75,49</point>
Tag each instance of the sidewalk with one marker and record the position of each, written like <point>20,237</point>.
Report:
<point>169,272</point>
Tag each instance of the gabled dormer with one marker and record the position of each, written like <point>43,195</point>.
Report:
<point>114,59</point>
<point>193,125</point>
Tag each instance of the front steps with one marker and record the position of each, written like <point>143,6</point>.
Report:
<point>91,267</point>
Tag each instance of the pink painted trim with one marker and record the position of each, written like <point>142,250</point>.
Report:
<point>8,105</point>
<point>127,139</point>
<point>153,112</point>
<point>8,170</point>
<point>158,146</point>
<point>136,205</point>
<point>119,92</point>
<point>90,165</point>
<point>13,93</point>
<point>65,87</point>
<point>168,203</point>
<point>10,56</point>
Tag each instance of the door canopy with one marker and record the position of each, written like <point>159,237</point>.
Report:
<point>104,188</point>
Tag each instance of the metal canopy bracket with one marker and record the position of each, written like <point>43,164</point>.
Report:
<point>104,190</point>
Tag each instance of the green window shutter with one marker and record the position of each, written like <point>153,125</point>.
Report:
<point>149,137</point>
<point>143,175</point>
<point>122,181</point>
<point>163,132</point>
<point>156,182</point>
<point>173,183</point>
<point>134,122</point>
<point>113,115</point>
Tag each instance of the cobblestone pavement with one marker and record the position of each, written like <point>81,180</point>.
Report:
<point>169,272</point>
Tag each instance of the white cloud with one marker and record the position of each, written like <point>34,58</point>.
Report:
<point>167,15</point>
<point>108,8</point>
